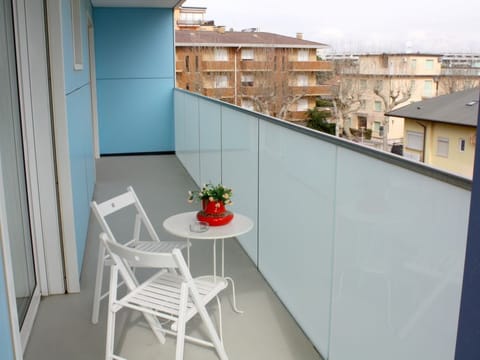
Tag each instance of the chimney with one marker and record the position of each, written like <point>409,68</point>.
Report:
<point>300,36</point>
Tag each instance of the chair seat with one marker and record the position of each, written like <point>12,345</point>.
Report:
<point>161,294</point>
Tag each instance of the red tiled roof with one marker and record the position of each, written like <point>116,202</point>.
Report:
<point>237,38</point>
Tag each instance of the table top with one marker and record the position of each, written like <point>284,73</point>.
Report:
<point>179,225</point>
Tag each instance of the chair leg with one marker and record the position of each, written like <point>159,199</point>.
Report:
<point>181,322</point>
<point>109,355</point>
<point>98,283</point>
<point>211,332</point>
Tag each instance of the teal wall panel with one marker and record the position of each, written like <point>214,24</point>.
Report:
<point>81,162</point>
<point>134,49</point>
<point>79,119</point>
<point>135,115</point>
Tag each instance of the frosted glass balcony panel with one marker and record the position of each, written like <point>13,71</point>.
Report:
<point>187,133</point>
<point>210,142</point>
<point>296,223</point>
<point>400,241</point>
<point>240,168</point>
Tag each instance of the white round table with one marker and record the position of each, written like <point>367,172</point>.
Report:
<point>179,225</point>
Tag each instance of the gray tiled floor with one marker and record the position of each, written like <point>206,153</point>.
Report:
<point>265,331</point>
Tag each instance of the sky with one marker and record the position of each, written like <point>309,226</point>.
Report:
<point>433,26</point>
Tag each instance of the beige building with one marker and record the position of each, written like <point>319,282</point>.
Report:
<point>442,131</point>
<point>269,73</point>
<point>379,83</point>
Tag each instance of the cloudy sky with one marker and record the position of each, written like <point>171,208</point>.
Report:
<point>352,25</point>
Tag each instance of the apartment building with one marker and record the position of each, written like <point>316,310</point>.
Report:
<point>265,72</point>
<point>379,83</point>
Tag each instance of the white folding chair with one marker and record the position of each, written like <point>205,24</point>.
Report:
<point>171,294</point>
<point>154,244</point>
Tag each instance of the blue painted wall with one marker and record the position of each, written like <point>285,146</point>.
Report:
<point>134,50</point>
<point>6,352</point>
<point>79,118</point>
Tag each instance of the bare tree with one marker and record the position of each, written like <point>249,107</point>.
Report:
<point>270,83</point>
<point>457,79</point>
<point>395,93</point>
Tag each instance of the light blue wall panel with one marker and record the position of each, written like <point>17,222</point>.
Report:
<point>134,43</point>
<point>81,162</point>
<point>399,256</point>
<point>134,49</point>
<point>75,79</point>
<point>135,115</point>
<point>210,142</point>
<point>240,169</point>
<point>296,224</point>
<point>5,336</point>
<point>79,119</point>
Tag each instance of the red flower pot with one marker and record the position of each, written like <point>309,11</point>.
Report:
<point>214,213</point>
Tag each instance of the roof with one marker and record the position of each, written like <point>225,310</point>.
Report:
<point>459,108</point>
<point>241,38</point>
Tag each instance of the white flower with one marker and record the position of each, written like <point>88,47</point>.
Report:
<point>211,198</point>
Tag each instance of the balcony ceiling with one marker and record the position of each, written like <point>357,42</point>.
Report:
<point>138,3</point>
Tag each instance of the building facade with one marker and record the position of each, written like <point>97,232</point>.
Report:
<point>379,83</point>
<point>264,72</point>
<point>441,132</point>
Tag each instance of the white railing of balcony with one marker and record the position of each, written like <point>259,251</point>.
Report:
<point>365,249</point>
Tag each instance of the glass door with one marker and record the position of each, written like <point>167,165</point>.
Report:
<point>13,168</point>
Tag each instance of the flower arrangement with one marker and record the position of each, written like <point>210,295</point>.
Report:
<point>212,193</point>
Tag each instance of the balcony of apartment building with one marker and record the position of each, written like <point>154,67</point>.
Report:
<point>311,65</point>
<point>255,65</point>
<point>354,254</point>
<point>373,255</point>
<point>219,92</point>
<point>311,90</point>
<point>217,66</point>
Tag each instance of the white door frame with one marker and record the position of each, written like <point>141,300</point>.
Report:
<point>8,272</point>
<point>93,86</point>
<point>60,126</point>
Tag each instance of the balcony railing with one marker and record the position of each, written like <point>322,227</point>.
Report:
<point>218,66</point>
<point>219,92</point>
<point>316,90</point>
<point>365,248</point>
<point>311,66</point>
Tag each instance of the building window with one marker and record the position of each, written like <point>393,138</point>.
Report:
<point>378,105</point>
<point>220,54</point>
<point>376,127</point>
<point>362,122</point>
<point>363,84</point>
<point>442,147</point>
<point>221,81</point>
<point>247,80</point>
<point>461,145</point>
<point>379,85</point>
<point>414,140</point>
<point>302,80</point>
<point>247,54</point>
<point>413,65</point>
<point>363,104</point>
<point>302,105</point>
<point>77,35</point>
<point>302,55</point>
<point>187,63</point>
<point>412,85</point>
<point>428,88</point>
<point>429,64</point>
<point>197,65</point>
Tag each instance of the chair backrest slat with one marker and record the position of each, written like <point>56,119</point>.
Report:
<point>138,258</point>
<point>115,204</point>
